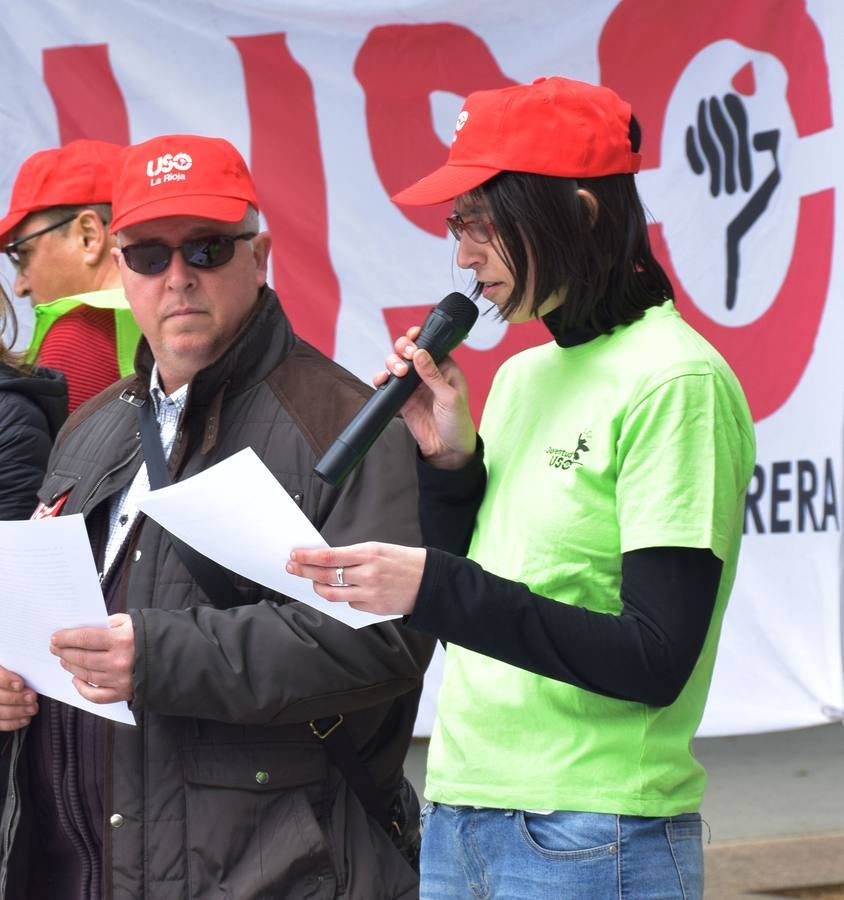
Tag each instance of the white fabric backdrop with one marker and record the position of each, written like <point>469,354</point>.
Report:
<point>337,105</point>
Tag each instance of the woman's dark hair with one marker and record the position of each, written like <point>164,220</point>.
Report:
<point>600,255</point>
<point>9,333</point>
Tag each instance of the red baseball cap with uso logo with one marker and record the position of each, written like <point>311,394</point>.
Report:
<point>77,174</point>
<point>181,175</point>
<point>554,126</point>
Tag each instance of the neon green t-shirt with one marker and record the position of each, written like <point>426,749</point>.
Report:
<point>640,438</point>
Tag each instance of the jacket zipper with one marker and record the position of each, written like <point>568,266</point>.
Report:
<point>122,464</point>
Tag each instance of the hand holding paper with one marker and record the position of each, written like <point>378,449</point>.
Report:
<point>237,514</point>
<point>18,702</point>
<point>49,583</point>
<point>375,577</point>
<point>101,660</point>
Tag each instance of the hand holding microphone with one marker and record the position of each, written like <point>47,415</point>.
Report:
<point>437,412</point>
<point>439,419</point>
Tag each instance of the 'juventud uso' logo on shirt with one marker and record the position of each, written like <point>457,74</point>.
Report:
<point>565,459</point>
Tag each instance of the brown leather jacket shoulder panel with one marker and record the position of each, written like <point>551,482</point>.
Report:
<point>320,396</point>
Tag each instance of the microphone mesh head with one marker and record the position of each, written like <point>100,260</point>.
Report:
<point>460,308</point>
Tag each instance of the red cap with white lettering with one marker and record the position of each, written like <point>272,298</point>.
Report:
<point>555,126</point>
<point>181,175</point>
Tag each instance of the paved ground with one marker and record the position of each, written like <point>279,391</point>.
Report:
<point>775,810</point>
<point>775,805</point>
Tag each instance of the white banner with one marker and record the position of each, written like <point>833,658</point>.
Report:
<point>337,105</point>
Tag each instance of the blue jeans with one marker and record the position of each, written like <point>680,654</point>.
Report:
<point>505,854</point>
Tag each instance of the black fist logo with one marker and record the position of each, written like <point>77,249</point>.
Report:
<point>720,141</point>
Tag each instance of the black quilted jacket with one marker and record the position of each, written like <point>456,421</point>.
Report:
<point>33,406</point>
<point>222,790</point>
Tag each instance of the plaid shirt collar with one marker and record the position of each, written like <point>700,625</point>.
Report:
<point>161,400</point>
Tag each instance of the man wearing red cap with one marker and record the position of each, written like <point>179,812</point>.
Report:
<point>56,235</point>
<point>267,757</point>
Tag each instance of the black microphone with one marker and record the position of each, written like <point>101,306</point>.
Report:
<point>446,326</point>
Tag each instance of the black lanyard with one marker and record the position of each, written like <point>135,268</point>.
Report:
<point>214,579</point>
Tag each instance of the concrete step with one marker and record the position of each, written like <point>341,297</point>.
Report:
<point>798,866</point>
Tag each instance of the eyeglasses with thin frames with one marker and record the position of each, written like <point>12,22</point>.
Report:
<point>208,252</point>
<point>11,249</point>
<point>479,231</point>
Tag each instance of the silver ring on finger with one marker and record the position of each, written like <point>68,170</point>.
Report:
<point>339,575</point>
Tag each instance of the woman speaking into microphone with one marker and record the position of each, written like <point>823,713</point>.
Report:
<point>580,549</point>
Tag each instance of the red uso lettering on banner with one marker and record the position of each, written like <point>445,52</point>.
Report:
<point>399,67</point>
<point>749,256</point>
<point>288,170</point>
<point>88,100</point>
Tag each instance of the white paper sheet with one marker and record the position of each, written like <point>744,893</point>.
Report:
<point>237,514</point>
<point>49,581</point>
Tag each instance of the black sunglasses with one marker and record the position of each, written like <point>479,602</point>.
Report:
<point>11,249</point>
<point>202,253</point>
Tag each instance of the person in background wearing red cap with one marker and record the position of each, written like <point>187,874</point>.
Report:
<point>267,757</point>
<point>601,517</point>
<point>56,236</point>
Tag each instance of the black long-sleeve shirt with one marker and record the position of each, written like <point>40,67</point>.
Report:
<point>646,653</point>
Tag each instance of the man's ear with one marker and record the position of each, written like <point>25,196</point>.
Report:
<point>591,202</point>
<point>261,245</point>
<point>93,236</point>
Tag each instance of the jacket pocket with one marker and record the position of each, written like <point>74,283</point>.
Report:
<point>251,828</point>
<point>55,485</point>
<point>53,494</point>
